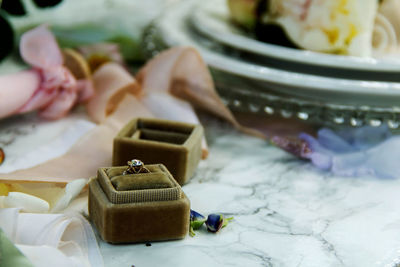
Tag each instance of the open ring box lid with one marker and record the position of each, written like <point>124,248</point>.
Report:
<point>177,145</point>
<point>154,208</point>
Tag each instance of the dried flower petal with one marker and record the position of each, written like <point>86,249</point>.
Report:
<point>216,221</point>
<point>355,152</point>
<point>196,221</point>
<point>295,146</point>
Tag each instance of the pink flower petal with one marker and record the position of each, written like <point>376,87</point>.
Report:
<point>39,48</point>
<point>40,99</point>
<point>55,81</point>
<point>86,90</point>
<point>63,103</point>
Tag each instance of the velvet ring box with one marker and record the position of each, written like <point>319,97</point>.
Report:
<point>138,207</point>
<point>177,145</point>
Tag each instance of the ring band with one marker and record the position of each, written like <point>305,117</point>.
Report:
<point>135,166</point>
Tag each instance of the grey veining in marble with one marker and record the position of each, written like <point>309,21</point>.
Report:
<point>286,213</point>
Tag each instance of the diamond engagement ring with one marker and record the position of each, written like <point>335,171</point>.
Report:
<point>135,166</point>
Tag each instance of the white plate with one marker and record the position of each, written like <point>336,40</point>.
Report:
<point>211,17</point>
<point>174,31</point>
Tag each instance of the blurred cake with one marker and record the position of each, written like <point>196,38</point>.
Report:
<point>349,27</point>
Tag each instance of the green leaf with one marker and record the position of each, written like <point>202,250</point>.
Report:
<point>81,35</point>
<point>129,47</point>
<point>85,34</point>
<point>197,224</point>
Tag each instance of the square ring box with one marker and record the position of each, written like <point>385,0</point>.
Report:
<point>177,145</point>
<point>138,207</point>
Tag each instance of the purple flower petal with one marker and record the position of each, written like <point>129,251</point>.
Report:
<point>195,216</point>
<point>196,221</point>
<point>356,152</point>
<point>364,137</point>
<point>384,158</point>
<point>214,222</point>
<point>321,160</point>
<point>328,139</point>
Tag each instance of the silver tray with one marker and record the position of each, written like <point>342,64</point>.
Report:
<point>311,98</point>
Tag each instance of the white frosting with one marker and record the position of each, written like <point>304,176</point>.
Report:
<point>327,25</point>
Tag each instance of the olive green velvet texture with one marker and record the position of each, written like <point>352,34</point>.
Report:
<point>128,196</point>
<point>177,145</point>
<point>152,180</point>
<point>163,217</point>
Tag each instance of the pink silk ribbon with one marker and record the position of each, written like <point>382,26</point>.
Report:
<point>169,86</point>
<point>49,87</point>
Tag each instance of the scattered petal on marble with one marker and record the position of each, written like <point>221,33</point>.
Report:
<point>355,152</point>
<point>353,138</point>
<point>292,145</point>
<point>215,222</point>
<point>196,221</point>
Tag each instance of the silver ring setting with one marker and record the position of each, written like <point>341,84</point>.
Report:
<point>135,166</point>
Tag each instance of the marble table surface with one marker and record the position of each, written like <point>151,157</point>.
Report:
<point>286,213</point>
